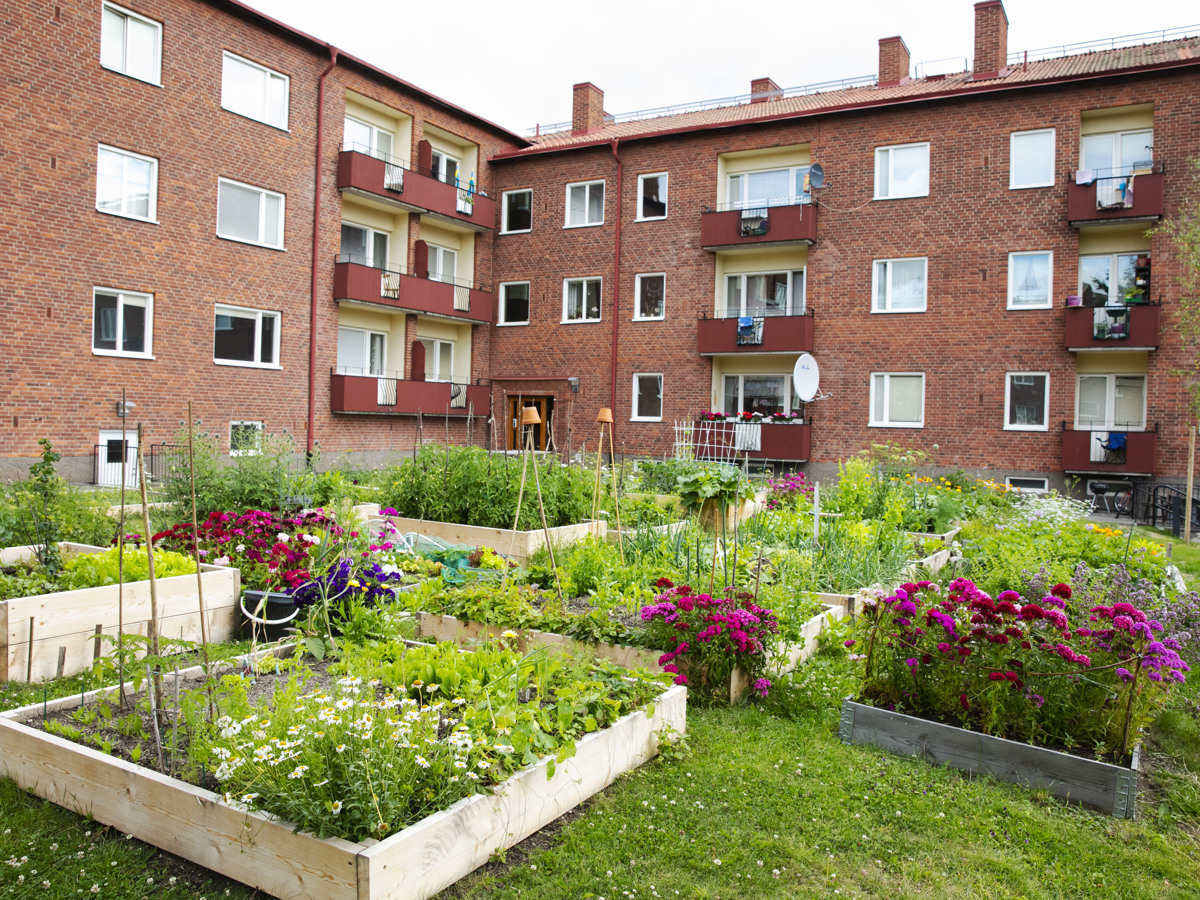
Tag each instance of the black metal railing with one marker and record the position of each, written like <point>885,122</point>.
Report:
<point>1164,502</point>
<point>757,206</point>
<point>390,284</point>
<point>396,167</point>
<point>757,312</point>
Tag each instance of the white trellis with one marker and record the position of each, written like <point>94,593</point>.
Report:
<point>716,441</point>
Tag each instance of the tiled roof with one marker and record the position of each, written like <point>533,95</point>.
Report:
<point>1166,53</point>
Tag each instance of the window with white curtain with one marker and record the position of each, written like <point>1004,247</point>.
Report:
<point>1031,159</point>
<point>899,285</point>
<point>254,91</point>
<point>443,264</point>
<point>249,214</point>
<point>765,294</point>
<point>581,300</point>
<point>902,171</point>
<point>763,394</point>
<point>126,184</point>
<point>585,204</point>
<point>897,400</point>
<point>366,138</point>
<point>1030,279</point>
<point>360,351</point>
<point>130,44</point>
<point>439,360</point>
<point>1110,402</point>
<point>769,187</point>
<point>1025,397</point>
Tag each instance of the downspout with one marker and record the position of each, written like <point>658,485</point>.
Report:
<point>316,254</point>
<point>616,291</point>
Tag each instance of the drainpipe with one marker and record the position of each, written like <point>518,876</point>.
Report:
<point>316,255</point>
<point>616,291</point>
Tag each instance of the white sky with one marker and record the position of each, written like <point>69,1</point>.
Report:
<point>514,61</point>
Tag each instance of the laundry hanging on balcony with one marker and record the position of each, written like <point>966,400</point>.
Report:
<point>747,437</point>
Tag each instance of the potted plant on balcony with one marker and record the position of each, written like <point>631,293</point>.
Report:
<point>793,417</point>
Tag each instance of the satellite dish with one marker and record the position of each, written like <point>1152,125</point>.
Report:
<point>816,175</point>
<point>806,377</point>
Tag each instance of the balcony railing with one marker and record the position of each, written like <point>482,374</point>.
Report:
<point>389,394</point>
<point>403,290</point>
<point>788,441</point>
<point>1113,327</point>
<point>760,333</point>
<point>1105,197</point>
<point>1115,451</point>
<point>790,220</point>
<point>415,188</point>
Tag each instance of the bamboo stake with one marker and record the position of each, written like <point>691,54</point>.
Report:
<point>1191,470</point>
<point>152,624</point>
<point>121,559</point>
<point>199,577</point>
<point>29,655</point>
<point>154,708</point>
<point>617,488</point>
<point>542,511</point>
<point>596,489</point>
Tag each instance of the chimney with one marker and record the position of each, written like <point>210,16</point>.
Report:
<point>587,111</point>
<point>764,90</point>
<point>991,40</point>
<point>893,61</point>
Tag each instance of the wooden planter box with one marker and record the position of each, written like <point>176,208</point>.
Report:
<point>614,535</point>
<point>946,537</point>
<point>67,621</point>
<point>1108,788</point>
<point>267,854</point>
<point>517,545</point>
<point>935,562</point>
<point>790,656</point>
<point>735,513</point>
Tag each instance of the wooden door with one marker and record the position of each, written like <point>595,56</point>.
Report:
<point>542,434</point>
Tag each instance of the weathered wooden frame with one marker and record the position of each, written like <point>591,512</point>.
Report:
<point>516,545</point>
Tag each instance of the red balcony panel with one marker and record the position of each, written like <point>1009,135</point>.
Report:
<point>784,225</point>
<point>780,334</point>
<point>1139,458</point>
<point>421,193</point>
<point>779,440</point>
<point>1147,202</point>
<point>358,394</point>
<point>1095,329</point>
<point>353,281</point>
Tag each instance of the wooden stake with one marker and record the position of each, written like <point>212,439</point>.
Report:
<point>62,662</point>
<point>152,624</point>
<point>121,558</point>
<point>29,656</point>
<point>617,488</point>
<point>96,644</point>
<point>1191,470</point>
<point>537,482</point>
<point>196,543</point>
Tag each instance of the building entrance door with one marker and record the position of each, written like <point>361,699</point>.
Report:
<point>543,434</point>
<point>108,458</point>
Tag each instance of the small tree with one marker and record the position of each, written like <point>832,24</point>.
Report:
<point>1183,230</point>
<point>44,489</point>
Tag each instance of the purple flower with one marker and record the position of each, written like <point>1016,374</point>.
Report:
<point>911,663</point>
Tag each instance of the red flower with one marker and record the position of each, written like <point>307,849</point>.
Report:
<point>1062,591</point>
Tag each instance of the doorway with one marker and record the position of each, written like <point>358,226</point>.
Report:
<point>108,458</point>
<point>543,434</point>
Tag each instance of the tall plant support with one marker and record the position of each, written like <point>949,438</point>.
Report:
<point>121,558</point>
<point>529,418</point>
<point>1191,476</point>
<point>196,557</point>
<point>605,417</point>
<point>152,625</point>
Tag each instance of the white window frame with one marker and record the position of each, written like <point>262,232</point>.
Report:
<point>263,193</point>
<point>263,114</point>
<point>887,268</point>
<point>246,312</point>
<point>797,300</point>
<point>796,176</point>
<point>887,382</point>
<point>637,297</point>
<point>257,426</point>
<point>439,157</point>
<point>1110,401</point>
<point>886,152</point>
<point>567,282</point>
<point>152,207</point>
<point>440,377</point>
<point>1010,482</point>
<point>128,16</point>
<point>1049,301</point>
<point>371,234</point>
<point>633,406</point>
<point>640,182</point>
<point>504,229</point>
<point>1013,183</point>
<point>439,253</point>
<point>789,404</point>
<point>1008,383</point>
<point>374,131</point>
<point>365,335</point>
<point>587,186</point>
<point>146,301</point>
<point>504,286</point>
<point>1114,272</point>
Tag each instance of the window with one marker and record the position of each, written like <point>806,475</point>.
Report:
<point>1108,402</point>
<point>763,394</point>
<point>443,263</point>
<point>902,171</point>
<point>439,360</point>
<point>899,285</point>
<point>131,44</point>
<point>765,294</point>
<point>652,197</point>
<point>246,337</point>
<point>1118,152</point>
<point>897,400</point>
<point>516,212</point>
<point>647,398</point>
<point>254,91</point>
<point>585,204</point>
<point>1109,279</point>
<point>581,300</point>
<point>121,323</point>
<point>1031,279</point>
<point>648,296</point>
<point>361,352</point>
<point>249,214</point>
<point>1031,159</point>
<point>771,187</point>
<point>366,138</point>
<point>364,246</point>
<point>1026,395</point>
<point>514,303</point>
<point>245,438</point>
<point>444,167</point>
<point>1027,485</point>
<point>126,184</point>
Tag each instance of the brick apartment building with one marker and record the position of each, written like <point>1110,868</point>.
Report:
<point>969,264</point>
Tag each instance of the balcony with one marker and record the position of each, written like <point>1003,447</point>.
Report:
<point>787,441</point>
<point>415,190</point>
<point>1133,327</point>
<point>404,291</point>
<point>1084,451</point>
<point>388,396</point>
<point>755,334</point>
<point>726,228</point>
<point>1116,199</point>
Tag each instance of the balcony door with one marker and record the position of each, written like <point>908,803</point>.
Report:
<point>767,294</point>
<point>439,359</point>
<point>364,246</point>
<point>443,264</point>
<point>1112,157</point>
<point>366,138</point>
<point>362,352</point>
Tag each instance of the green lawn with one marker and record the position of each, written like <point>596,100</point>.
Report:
<point>1186,557</point>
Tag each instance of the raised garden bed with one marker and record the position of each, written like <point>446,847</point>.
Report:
<point>516,545</point>
<point>244,845</point>
<point>67,623</point>
<point>1103,786</point>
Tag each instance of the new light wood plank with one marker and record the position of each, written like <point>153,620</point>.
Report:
<point>523,545</point>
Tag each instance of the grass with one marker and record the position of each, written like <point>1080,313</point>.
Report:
<point>1186,557</point>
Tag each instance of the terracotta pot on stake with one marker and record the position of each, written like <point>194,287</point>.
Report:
<point>605,417</point>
